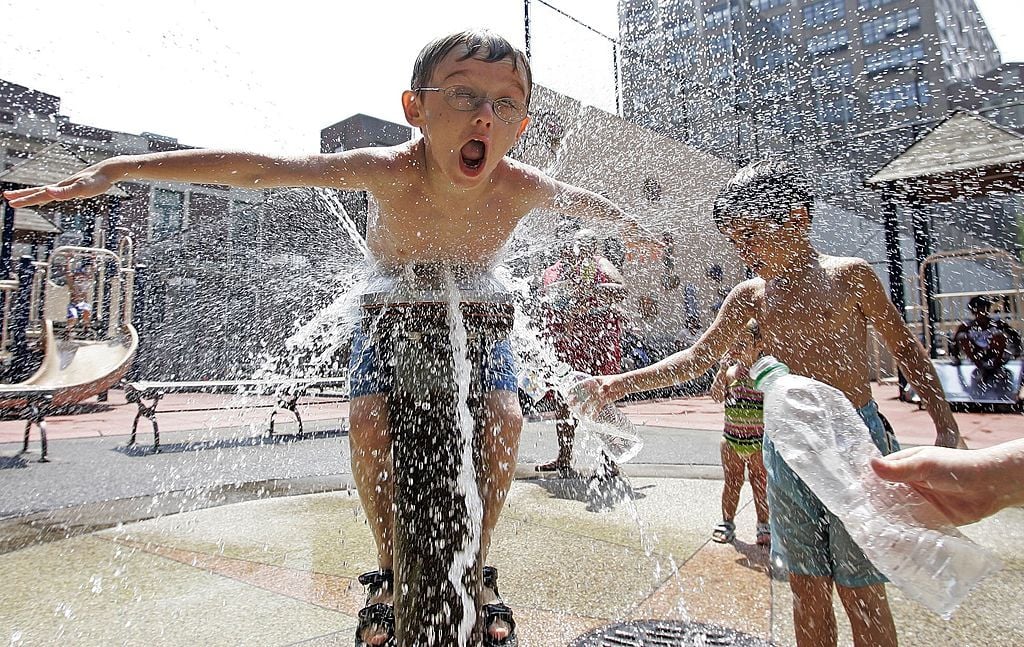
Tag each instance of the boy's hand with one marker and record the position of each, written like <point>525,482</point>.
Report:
<point>85,184</point>
<point>643,244</point>
<point>593,394</point>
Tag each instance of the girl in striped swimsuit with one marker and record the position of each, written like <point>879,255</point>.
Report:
<point>741,444</point>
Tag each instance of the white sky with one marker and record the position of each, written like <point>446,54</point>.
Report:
<point>268,76</point>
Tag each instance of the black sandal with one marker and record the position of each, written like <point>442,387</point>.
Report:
<point>497,612</point>
<point>379,614</point>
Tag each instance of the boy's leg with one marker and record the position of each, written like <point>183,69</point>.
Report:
<point>813,620</point>
<point>370,442</point>
<point>499,447</point>
<point>870,615</point>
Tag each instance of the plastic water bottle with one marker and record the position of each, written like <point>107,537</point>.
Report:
<point>609,425</point>
<point>819,434</point>
<point>533,383</point>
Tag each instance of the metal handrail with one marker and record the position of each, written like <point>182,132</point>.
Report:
<point>967,254</point>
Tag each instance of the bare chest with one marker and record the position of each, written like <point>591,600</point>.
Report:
<point>420,231</point>
<point>810,319</point>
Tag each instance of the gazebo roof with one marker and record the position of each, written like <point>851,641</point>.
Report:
<point>964,155</point>
<point>49,166</point>
<point>29,220</point>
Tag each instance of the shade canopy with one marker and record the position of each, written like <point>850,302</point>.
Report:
<point>964,156</point>
<point>49,166</point>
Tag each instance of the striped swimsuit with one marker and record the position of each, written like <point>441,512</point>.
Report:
<point>744,417</point>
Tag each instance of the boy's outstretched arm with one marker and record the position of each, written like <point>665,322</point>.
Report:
<point>738,309</point>
<point>908,352</point>
<point>248,170</point>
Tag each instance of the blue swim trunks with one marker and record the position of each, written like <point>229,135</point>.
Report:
<point>366,379</point>
<point>806,537</point>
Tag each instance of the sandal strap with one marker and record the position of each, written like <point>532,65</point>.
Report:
<point>377,581</point>
<point>377,614</point>
<point>490,578</point>
<point>498,612</point>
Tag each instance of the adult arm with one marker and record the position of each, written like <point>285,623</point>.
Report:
<point>907,351</point>
<point>580,203</point>
<point>964,485</point>
<point>349,170</point>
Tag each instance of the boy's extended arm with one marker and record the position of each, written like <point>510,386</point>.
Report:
<point>248,170</point>
<point>908,352</point>
<point>693,361</point>
<point>580,203</point>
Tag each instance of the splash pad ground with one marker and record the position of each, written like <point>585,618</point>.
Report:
<point>221,540</point>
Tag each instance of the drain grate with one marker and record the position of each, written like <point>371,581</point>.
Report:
<point>666,633</point>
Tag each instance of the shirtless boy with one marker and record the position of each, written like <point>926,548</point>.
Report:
<point>814,311</point>
<point>450,197</point>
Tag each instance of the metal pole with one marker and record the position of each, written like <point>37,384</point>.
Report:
<point>7,241</point>
<point>922,249</point>
<point>893,253</point>
<point>431,510</point>
<point>526,25</point>
<point>20,318</point>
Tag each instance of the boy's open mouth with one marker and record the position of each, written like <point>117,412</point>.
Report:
<point>474,152</point>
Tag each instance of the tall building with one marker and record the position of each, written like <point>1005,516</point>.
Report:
<point>840,86</point>
<point>743,77</point>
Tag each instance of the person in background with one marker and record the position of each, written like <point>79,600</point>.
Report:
<point>581,292</point>
<point>988,342</point>
<point>742,435</point>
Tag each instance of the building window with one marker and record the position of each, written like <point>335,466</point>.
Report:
<point>824,11</point>
<point>893,58</point>
<point>873,4</point>
<point>830,42</point>
<point>168,213</point>
<point>773,59</point>
<point>720,47</point>
<point>764,5</point>
<point>879,29</point>
<point>838,75</point>
<point>900,96</point>
<point>836,110</point>
<point>717,15</point>
<point>781,23</point>
<point>6,117</point>
<point>681,28</point>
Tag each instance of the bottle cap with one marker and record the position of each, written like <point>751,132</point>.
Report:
<point>766,366</point>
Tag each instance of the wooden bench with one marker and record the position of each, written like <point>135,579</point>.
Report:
<point>287,393</point>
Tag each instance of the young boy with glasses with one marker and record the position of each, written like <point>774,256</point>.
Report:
<point>813,313</point>
<point>450,196</point>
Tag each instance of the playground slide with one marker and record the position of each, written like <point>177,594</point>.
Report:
<point>77,369</point>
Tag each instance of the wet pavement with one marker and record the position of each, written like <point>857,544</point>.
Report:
<point>229,538</point>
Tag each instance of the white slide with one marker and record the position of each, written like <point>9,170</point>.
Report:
<point>76,369</point>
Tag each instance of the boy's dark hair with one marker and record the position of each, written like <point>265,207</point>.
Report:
<point>480,44</point>
<point>979,303</point>
<point>767,189</point>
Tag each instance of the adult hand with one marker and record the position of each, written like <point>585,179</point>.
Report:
<point>90,182</point>
<point>964,485</point>
<point>644,244</point>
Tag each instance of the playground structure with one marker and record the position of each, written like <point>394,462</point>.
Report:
<point>78,362</point>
